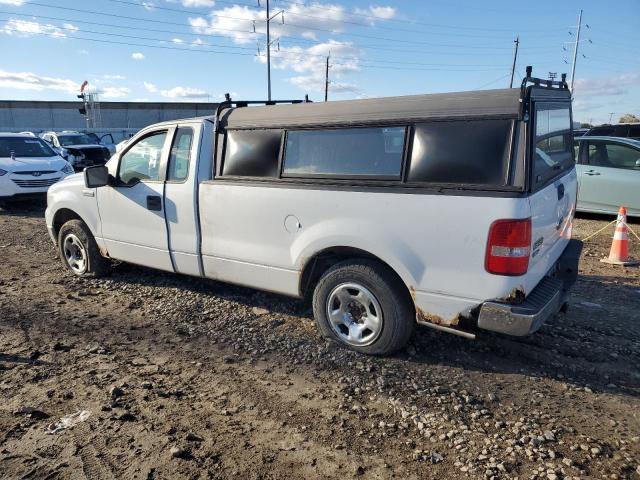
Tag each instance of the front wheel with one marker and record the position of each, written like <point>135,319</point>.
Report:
<point>79,251</point>
<point>364,306</point>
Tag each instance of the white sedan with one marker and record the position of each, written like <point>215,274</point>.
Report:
<point>28,166</point>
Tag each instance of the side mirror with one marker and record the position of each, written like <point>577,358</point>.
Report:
<point>97,176</point>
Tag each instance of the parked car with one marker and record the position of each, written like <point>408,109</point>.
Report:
<point>374,208</point>
<point>28,166</point>
<point>608,174</point>
<point>626,130</point>
<point>105,140</point>
<point>79,149</point>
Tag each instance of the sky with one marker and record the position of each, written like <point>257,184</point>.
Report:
<point>198,50</point>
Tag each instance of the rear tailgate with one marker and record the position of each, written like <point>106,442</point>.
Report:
<point>552,211</point>
<point>554,185</point>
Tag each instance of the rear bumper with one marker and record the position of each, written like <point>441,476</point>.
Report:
<point>543,302</point>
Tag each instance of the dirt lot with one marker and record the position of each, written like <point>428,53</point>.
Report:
<point>185,378</point>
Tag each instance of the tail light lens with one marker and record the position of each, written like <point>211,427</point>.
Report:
<point>509,247</point>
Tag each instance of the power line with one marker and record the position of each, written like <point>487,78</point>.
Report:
<point>199,50</point>
<point>359,61</point>
<point>414,22</point>
<point>307,27</point>
<point>174,32</point>
<point>249,33</point>
<point>492,81</point>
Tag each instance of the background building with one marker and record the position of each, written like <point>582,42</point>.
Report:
<point>121,119</point>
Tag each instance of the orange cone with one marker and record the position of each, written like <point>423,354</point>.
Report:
<point>619,254</point>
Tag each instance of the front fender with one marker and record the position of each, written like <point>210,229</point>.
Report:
<point>71,194</point>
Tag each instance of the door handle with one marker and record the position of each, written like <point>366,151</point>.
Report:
<point>560,191</point>
<point>154,203</point>
<point>591,173</point>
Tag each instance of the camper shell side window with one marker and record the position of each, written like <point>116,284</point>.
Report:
<point>411,155</point>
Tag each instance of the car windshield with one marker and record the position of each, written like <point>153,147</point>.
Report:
<point>24,147</point>
<point>78,139</point>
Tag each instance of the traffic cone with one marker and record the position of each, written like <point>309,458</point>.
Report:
<point>619,254</point>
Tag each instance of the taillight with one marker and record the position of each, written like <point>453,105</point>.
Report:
<point>509,247</point>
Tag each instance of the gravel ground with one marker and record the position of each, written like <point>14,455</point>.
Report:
<point>173,377</point>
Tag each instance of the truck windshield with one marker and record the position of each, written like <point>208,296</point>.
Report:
<point>553,147</point>
<point>24,147</point>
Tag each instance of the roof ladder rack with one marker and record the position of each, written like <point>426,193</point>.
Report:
<point>538,82</point>
<point>229,103</point>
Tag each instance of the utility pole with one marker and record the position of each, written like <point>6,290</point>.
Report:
<point>610,116</point>
<point>269,56</point>
<point>269,18</point>
<point>515,57</point>
<point>326,80</point>
<point>575,51</point>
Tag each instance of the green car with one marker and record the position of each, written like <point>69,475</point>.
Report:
<point>608,174</point>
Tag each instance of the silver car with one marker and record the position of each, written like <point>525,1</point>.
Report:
<point>608,174</point>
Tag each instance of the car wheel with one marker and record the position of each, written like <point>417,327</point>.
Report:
<point>79,251</point>
<point>364,306</point>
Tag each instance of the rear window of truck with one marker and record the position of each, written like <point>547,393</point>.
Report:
<point>553,144</point>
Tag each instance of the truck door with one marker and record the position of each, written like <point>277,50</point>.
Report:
<point>180,205</point>
<point>132,210</point>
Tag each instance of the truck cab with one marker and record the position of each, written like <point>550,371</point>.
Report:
<point>452,211</point>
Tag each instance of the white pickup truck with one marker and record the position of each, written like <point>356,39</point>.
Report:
<point>452,211</point>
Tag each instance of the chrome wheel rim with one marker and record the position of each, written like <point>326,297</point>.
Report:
<point>75,253</point>
<point>354,314</point>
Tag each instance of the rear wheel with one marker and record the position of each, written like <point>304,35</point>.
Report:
<point>79,251</point>
<point>364,306</point>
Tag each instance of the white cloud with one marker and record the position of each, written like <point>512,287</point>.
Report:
<point>197,42</point>
<point>602,86</point>
<point>115,92</point>
<point>150,87</point>
<point>33,81</point>
<point>137,56</point>
<point>309,64</point>
<point>148,5</point>
<point>198,3</point>
<point>184,92</point>
<point>83,51</point>
<point>114,77</point>
<point>240,26</point>
<point>382,13</point>
<point>178,41</point>
<point>15,3</point>
<point>26,28</point>
<point>144,99</point>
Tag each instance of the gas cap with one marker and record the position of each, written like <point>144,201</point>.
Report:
<point>292,224</point>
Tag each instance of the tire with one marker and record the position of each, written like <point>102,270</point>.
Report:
<point>372,293</point>
<point>79,252</point>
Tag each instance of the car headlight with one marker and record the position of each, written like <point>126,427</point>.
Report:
<point>2,172</point>
<point>67,169</point>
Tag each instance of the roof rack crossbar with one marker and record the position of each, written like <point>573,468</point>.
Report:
<point>529,78</point>
<point>229,103</point>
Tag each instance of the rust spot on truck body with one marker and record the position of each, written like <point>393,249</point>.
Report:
<point>427,317</point>
<point>516,296</point>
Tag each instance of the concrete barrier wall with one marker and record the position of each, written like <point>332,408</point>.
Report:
<point>118,118</point>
